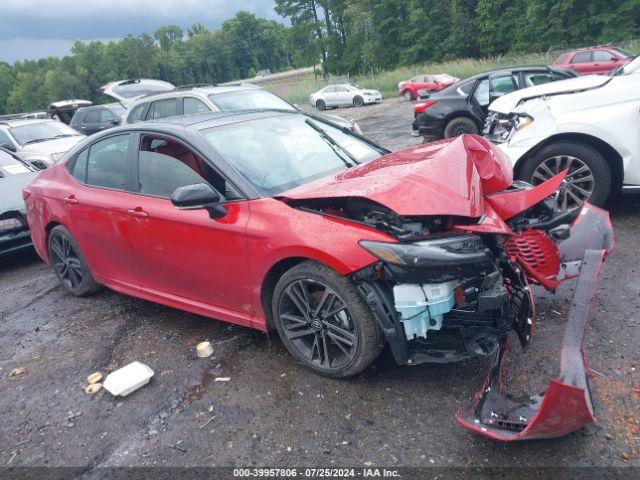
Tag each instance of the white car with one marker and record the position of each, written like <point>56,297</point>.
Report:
<point>39,142</point>
<point>343,95</point>
<point>589,125</point>
<point>126,91</point>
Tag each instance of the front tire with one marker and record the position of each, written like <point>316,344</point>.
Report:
<point>459,125</point>
<point>324,322</point>
<point>358,101</point>
<point>69,263</point>
<point>407,95</point>
<point>320,105</point>
<point>589,177</point>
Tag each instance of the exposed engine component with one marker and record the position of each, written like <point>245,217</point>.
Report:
<point>422,307</point>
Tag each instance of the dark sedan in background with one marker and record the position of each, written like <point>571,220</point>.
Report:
<point>15,174</point>
<point>90,120</point>
<point>463,106</point>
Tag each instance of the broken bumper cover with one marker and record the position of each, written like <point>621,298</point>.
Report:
<point>566,404</point>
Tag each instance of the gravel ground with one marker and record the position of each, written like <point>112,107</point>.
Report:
<point>273,412</point>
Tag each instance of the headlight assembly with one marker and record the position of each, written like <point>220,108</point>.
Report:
<point>439,252</point>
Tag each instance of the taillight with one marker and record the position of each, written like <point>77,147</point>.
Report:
<point>420,107</point>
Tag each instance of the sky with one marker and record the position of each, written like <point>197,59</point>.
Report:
<point>32,29</point>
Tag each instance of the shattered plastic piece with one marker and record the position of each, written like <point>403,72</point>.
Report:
<point>204,349</point>
<point>16,372</point>
<point>566,405</point>
<point>94,377</point>
<point>222,379</point>
<point>93,388</point>
<point>128,379</point>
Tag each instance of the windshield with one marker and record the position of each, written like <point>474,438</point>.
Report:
<point>41,131</point>
<point>249,100</point>
<point>284,151</point>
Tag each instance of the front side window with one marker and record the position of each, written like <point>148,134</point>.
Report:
<point>165,165</point>
<point>93,116</point>
<point>164,108</point>
<point>41,132</point>
<point>603,56</point>
<point>581,57</point>
<point>282,152</point>
<point>108,163</point>
<point>503,85</point>
<point>193,105</point>
<point>537,78</point>
<point>106,116</point>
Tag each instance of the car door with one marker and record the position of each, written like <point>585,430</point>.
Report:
<point>604,61</point>
<point>330,96</point>
<point>91,122</point>
<point>185,252</point>
<point>167,107</point>
<point>344,96</point>
<point>582,62</point>
<point>98,206</point>
<point>107,119</point>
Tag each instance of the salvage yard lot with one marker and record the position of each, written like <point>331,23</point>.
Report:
<point>272,411</point>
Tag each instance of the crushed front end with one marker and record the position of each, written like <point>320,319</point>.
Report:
<point>457,294</point>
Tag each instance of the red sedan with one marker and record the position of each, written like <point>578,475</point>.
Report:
<point>279,220</point>
<point>428,83</point>
<point>594,60</point>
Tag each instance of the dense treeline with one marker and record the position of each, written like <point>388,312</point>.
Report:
<point>345,36</point>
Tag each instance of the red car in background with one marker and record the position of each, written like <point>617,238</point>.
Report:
<point>336,243</point>
<point>429,83</point>
<point>593,60</point>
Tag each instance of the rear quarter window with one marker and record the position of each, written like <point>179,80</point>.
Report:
<point>581,57</point>
<point>136,113</point>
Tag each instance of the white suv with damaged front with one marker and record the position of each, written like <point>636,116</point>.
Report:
<point>588,125</point>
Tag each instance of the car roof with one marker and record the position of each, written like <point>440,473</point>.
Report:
<point>24,121</point>
<point>101,106</point>
<point>201,121</point>
<point>204,90</point>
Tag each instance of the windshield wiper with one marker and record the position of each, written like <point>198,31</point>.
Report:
<point>64,135</point>
<point>333,144</point>
<point>37,140</point>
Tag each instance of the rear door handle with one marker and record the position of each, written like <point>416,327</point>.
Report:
<point>138,212</point>
<point>70,200</point>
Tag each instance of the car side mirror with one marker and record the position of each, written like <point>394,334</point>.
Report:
<point>8,146</point>
<point>198,196</point>
<point>114,121</point>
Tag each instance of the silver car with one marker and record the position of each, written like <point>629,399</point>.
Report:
<point>343,96</point>
<point>39,142</point>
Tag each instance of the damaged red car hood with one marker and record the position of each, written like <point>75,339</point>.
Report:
<point>448,177</point>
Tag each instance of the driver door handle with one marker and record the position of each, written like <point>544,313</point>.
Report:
<point>138,212</point>
<point>70,200</point>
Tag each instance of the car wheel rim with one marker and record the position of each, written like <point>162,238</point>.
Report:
<point>576,187</point>
<point>66,262</point>
<point>407,96</point>
<point>462,128</point>
<point>318,324</point>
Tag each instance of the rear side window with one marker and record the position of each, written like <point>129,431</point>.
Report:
<point>581,57</point>
<point>163,108</point>
<point>136,113</point>
<point>78,168</point>
<point>537,78</point>
<point>92,116</point>
<point>165,165</point>
<point>193,105</point>
<point>108,163</point>
<point>330,89</point>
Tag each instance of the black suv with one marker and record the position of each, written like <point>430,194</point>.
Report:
<point>463,107</point>
<point>94,119</point>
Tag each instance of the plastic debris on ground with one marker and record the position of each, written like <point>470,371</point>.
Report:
<point>204,349</point>
<point>127,379</point>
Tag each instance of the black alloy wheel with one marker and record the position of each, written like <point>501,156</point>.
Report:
<point>69,264</point>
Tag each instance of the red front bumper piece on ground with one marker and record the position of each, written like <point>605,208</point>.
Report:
<point>566,404</point>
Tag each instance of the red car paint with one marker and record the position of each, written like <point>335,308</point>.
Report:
<point>429,82</point>
<point>143,246</point>
<point>592,60</point>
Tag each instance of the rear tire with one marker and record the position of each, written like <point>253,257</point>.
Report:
<point>459,125</point>
<point>588,172</point>
<point>407,95</point>
<point>69,263</point>
<point>338,344</point>
<point>320,105</point>
<point>358,101</point>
